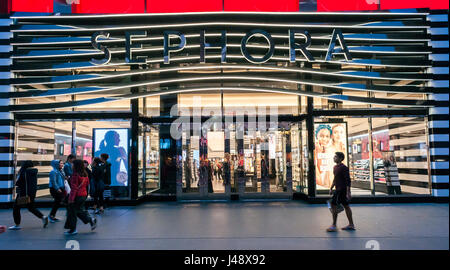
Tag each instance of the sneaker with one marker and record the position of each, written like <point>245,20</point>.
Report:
<point>349,228</point>
<point>93,224</point>
<point>53,219</point>
<point>15,228</point>
<point>45,221</point>
<point>332,229</point>
<point>70,232</point>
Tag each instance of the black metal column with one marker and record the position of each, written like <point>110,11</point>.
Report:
<point>134,151</point>
<point>168,150</point>
<point>311,165</point>
<point>310,130</point>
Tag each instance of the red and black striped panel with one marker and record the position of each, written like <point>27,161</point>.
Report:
<point>175,6</point>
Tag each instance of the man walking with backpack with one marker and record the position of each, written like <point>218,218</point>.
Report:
<point>342,194</point>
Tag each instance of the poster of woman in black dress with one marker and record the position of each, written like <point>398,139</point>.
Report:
<point>114,142</point>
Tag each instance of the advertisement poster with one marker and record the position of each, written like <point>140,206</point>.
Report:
<point>114,142</point>
<point>329,139</point>
<point>216,144</point>
<point>272,146</point>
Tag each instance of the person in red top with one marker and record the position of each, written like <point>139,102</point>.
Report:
<point>342,194</point>
<point>79,183</point>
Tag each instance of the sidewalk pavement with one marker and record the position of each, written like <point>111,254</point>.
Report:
<point>268,225</point>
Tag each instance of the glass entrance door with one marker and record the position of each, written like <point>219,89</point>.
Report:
<point>205,170</point>
<point>265,161</point>
<point>148,173</point>
<point>239,159</point>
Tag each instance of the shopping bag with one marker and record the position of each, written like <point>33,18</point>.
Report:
<point>66,187</point>
<point>339,208</point>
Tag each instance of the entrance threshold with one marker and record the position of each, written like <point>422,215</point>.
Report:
<point>234,196</point>
<point>210,197</point>
<point>265,196</point>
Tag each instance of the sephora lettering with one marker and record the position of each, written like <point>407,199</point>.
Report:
<point>132,45</point>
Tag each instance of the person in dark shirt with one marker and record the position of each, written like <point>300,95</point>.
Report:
<point>27,186</point>
<point>68,170</point>
<point>89,172</point>
<point>106,177</point>
<point>98,174</point>
<point>342,193</point>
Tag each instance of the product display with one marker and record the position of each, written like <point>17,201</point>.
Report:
<point>361,170</point>
<point>379,170</point>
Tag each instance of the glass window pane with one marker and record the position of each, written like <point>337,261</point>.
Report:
<point>401,164</point>
<point>349,135</point>
<point>112,138</point>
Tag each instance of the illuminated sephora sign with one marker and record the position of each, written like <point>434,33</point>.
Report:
<point>132,45</point>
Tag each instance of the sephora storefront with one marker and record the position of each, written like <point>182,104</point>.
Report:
<point>166,93</point>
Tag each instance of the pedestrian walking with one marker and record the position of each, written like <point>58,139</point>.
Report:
<point>26,185</point>
<point>188,173</point>
<point>342,194</point>
<point>98,174</point>
<point>79,190</point>
<point>215,170</point>
<point>264,174</point>
<point>226,170</point>
<point>210,168</point>
<point>57,188</point>
<point>203,182</point>
<point>91,188</point>
<point>107,177</point>
<point>89,172</point>
<point>68,166</point>
<point>219,171</point>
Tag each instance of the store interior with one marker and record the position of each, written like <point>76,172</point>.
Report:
<point>368,143</point>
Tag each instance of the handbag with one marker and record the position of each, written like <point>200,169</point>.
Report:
<point>24,200</point>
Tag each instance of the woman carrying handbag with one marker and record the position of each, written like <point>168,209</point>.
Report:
<point>79,183</point>
<point>26,193</point>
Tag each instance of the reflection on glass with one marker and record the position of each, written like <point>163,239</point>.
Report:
<point>401,164</point>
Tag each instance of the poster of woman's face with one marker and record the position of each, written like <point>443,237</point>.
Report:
<point>324,137</point>
<point>329,139</point>
<point>338,133</point>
